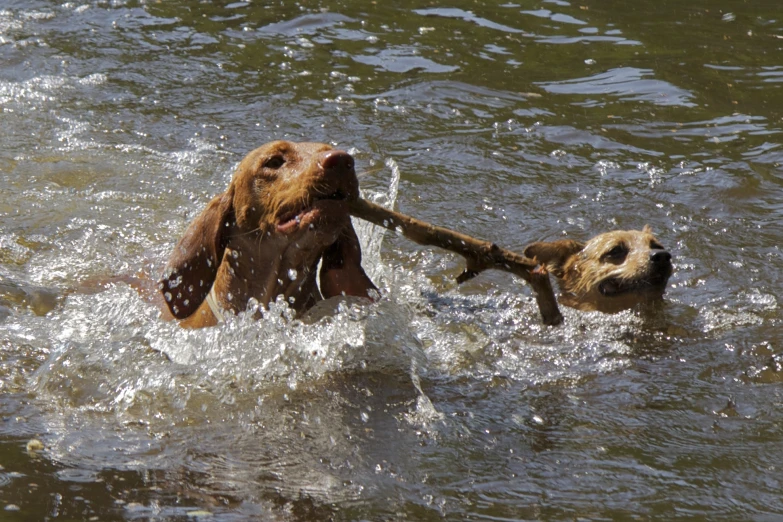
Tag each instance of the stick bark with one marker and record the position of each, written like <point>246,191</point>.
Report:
<point>479,255</point>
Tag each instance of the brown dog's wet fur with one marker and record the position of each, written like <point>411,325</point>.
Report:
<point>285,210</point>
<point>612,272</point>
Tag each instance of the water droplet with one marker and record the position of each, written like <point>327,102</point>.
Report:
<point>235,254</point>
<point>292,299</point>
<point>280,282</point>
<point>186,302</point>
<point>292,274</point>
<point>365,417</point>
<point>229,296</point>
<point>167,295</point>
<point>190,288</point>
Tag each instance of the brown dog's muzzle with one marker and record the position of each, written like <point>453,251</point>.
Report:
<point>338,170</point>
<point>331,185</point>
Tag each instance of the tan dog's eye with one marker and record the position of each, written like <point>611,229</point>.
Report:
<point>616,254</point>
<point>275,162</point>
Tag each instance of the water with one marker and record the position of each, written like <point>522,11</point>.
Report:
<point>511,122</point>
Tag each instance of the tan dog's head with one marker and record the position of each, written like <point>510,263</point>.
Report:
<point>285,209</point>
<point>613,271</point>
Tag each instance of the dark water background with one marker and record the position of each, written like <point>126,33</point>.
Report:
<point>512,122</point>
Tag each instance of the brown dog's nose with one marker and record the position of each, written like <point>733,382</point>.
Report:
<point>336,161</point>
<point>660,257</point>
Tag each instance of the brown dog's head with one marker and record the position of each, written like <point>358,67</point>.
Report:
<point>286,208</point>
<point>294,189</point>
<point>613,271</point>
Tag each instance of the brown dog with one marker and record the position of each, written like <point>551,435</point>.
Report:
<point>285,209</point>
<point>611,272</point>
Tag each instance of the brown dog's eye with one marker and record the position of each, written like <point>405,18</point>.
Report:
<point>275,162</point>
<point>615,254</point>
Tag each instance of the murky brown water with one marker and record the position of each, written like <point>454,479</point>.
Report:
<point>512,122</point>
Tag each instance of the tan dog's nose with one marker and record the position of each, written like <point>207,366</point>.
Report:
<point>660,257</point>
<point>336,162</point>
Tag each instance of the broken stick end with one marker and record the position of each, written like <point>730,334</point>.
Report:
<point>545,296</point>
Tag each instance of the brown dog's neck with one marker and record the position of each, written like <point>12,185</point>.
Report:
<point>263,268</point>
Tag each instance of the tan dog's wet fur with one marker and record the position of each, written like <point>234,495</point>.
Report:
<point>285,210</point>
<point>612,272</point>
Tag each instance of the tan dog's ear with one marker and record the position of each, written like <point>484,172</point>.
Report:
<point>553,253</point>
<point>341,268</point>
<point>193,264</point>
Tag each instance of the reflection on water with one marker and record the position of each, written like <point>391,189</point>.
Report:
<point>510,122</point>
<point>627,83</point>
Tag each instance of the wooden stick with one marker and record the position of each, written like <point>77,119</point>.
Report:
<point>480,255</point>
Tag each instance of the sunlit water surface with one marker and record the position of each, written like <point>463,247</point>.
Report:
<point>511,122</point>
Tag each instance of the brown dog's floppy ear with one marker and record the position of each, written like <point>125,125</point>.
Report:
<point>193,265</point>
<point>341,268</point>
<point>553,253</point>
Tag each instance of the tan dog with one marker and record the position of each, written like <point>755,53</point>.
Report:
<point>611,272</point>
<point>285,210</point>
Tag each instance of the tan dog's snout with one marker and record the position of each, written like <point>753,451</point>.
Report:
<point>660,257</point>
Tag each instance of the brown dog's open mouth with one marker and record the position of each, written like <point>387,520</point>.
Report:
<point>291,221</point>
